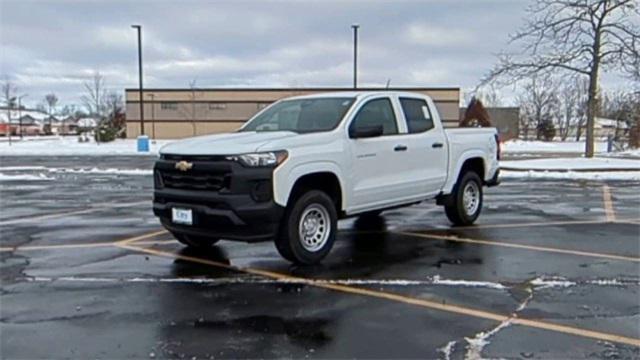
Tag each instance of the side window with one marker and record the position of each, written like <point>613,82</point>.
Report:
<point>418,115</point>
<point>377,112</point>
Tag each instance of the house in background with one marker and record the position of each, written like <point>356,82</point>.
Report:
<point>27,121</point>
<point>67,126</point>
<point>85,124</point>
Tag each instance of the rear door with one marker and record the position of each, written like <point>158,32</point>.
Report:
<point>426,154</point>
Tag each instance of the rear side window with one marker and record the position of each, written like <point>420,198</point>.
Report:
<point>418,115</point>
<point>377,112</point>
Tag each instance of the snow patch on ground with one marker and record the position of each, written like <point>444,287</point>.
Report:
<point>252,280</point>
<point>439,281</point>
<point>553,282</point>
<point>61,146</point>
<point>25,177</point>
<point>566,164</point>
<point>476,344</point>
<point>572,175</point>
<point>546,282</point>
<point>22,168</point>
<point>108,171</point>
<point>447,350</point>
<point>534,146</point>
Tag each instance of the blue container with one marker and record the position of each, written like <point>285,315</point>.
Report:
<point>143,143</point>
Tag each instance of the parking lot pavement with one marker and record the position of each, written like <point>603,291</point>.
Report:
<point>551,270</point>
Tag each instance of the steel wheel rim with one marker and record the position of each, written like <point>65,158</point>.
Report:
<point>314,227</point>
<point>471,198</point>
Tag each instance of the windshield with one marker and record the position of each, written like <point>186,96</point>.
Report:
<point>301,116</point>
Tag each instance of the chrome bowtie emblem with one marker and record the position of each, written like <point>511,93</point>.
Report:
<point>184,165</point>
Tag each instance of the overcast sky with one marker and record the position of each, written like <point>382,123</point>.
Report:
<point>54,46</point>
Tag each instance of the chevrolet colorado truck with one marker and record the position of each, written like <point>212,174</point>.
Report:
<point>301,164</point>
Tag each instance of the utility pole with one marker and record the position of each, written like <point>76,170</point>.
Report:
<point>141,99</point>
<point>355,28</point>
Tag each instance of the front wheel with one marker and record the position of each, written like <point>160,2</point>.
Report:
<point>308,229</point>
<point>466,200</point>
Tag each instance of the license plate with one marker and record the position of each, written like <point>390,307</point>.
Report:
<point>182,216</point>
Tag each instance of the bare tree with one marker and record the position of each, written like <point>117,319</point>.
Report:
<point>52,101</point>
<point>94,97</point>
<point>569,99</point>
<point>9,90</point>
<point>114,106</point>
<point>624,107</point>
<point>577,36</point>
<point>538,103</point>
<point>192,99</point>
<point>489,96</point>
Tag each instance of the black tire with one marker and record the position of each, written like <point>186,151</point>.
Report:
<point>197,242</point>
<point>455,208</point>
<point>312,249</point>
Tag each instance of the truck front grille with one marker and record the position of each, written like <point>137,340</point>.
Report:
<point>192,181</point>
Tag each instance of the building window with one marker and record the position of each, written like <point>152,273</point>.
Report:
<point>217,106</point>
<point>168,105</point>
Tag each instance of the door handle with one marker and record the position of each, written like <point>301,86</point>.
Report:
<point>400,148</point>
<point>437,145</point>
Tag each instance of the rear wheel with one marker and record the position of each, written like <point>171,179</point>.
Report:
<point>465,204</point>
<point>308,229</point>
<point>195,241</point>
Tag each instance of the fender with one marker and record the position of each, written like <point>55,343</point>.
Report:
<point>285,177</point>
<point>469,154</point>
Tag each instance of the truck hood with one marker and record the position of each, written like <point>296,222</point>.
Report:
<point>225,144</point>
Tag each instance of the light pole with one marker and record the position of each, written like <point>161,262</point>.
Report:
<point>139,29</point>
<point>20,112</point>
<point>355,28</point>
<point>153,117</point>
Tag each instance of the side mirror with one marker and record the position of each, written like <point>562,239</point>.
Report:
<point>358,132</point>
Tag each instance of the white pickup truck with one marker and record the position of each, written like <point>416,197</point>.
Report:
<point>301,164</point>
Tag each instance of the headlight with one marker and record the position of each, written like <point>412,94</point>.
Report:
<point>265,159</point>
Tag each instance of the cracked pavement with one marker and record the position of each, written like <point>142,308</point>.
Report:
<point>542,275</point>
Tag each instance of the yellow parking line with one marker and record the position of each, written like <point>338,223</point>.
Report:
<point>532,224</point>
<point>65,246</point>
<point>67,213</point>
<point>84,245</point>
<point>522,246</point>
<point>142,237</point>
<point>456,309</point>
<point>608,203</point>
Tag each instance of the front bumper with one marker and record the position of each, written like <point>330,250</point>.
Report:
<point>241,209</point>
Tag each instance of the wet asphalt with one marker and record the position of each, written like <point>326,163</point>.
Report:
<point>549,271</point>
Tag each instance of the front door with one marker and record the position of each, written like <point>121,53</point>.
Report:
<point>376,176</point>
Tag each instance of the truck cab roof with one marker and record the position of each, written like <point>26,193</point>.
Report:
<point>356,94</point>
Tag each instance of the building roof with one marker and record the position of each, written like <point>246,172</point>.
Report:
<point>609,123</point>
<point>34,114</point>
<point>87,122</point>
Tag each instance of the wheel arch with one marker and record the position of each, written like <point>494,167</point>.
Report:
<point>471,160</point>
<point>324,177</point>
